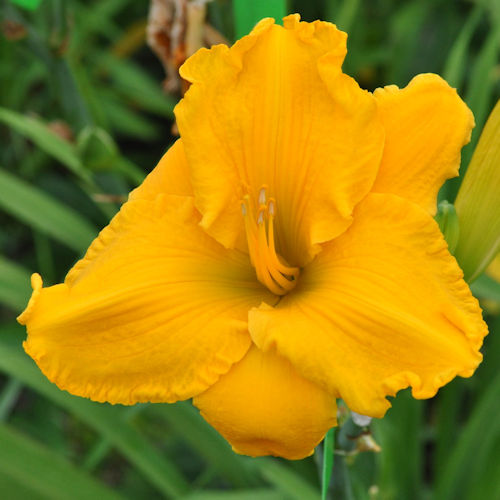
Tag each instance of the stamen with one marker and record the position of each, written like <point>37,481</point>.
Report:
<point>270,269</point>
<point>270,207</point>
<point>262,195</point>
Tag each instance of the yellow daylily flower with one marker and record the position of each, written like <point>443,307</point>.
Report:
<point>282,254</point>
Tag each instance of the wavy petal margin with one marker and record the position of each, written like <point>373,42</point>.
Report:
<point>156,310</point>
<point>381,308</point>
<point>276,110</point>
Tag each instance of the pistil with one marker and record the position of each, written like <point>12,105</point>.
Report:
<point>270,268</point>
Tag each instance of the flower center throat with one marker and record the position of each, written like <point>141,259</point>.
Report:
<point>271,269</point>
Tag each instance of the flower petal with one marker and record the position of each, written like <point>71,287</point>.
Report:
<point>155,311</point>
<point>275,109</point>
<point>170,176</point>
<point>426,126</point>
<point>382,307</point>
<point>262,406</point>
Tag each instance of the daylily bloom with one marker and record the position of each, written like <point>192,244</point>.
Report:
<point>281,255</point>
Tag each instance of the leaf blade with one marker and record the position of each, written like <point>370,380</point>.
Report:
<point>47,473</point>
<point>40,211</point>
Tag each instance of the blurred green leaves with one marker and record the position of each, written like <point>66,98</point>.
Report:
<point>42,212</point>
<point>46,140</point>
<point>41,471</point>
<point>14,284</point>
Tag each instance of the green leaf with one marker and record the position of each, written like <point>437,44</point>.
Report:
<point>248,14</point>
<point>135,84</point>
<point>46,140</point>
<point>285,480</point>
<point>8,397</point>
<point>15,287</point>
<point>486,288</point>
<point>477,203</point>
<point>475,446</point>
<point>399,435</point>
<point>125,121</point>
<point>45,472</point>
<point>454,70</point>
<point>105,419</point>
<point>27,4</point>
<point>42,212</point>
<point>205,440</point>
<point>255,494</point>
<point>480,91</point>
<point>347,14</point>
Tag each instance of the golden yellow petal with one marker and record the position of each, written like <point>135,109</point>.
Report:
<point>276,110</point>
<point>170,176</point>
<point>382,307</point>
<point>262,406</point>
<point>426,125</point>
<point>155,311</point>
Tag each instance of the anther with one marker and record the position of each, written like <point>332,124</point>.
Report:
<point>262,195</point>
<point>270,207</point>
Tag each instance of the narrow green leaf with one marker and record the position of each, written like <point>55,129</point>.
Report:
<point>45,139</point>
<point>125,121</point>
<point>15,287</point>
<point>474,446</point>
<point>255,494</point>
<point>105,419</point>
<point>129,170</point>
<point>103,447</point>
<point>14,490</point>
<point>248,14</point>
<point>477,203</point>
<point>447,423</point>
<point>328,451</point>
<point>205,440</point>
<point>480,91</point>
<point>347,14</point>
<point>8,397</point>
<point>42,212</point>
<point>399,435</point>
<point>53,145</point>
<point>482,81</point>
<point>44,471</point>
<point>454,70</point>
<point>285,480</point>
<point>27,4</point>
<point>486,288</point>
<point>135,84</point>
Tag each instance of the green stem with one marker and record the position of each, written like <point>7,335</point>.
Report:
<point>328,454</point>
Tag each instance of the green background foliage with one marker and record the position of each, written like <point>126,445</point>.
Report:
<point>64,63</point>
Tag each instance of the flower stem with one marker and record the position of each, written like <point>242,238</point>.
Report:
<point>328,449</point>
